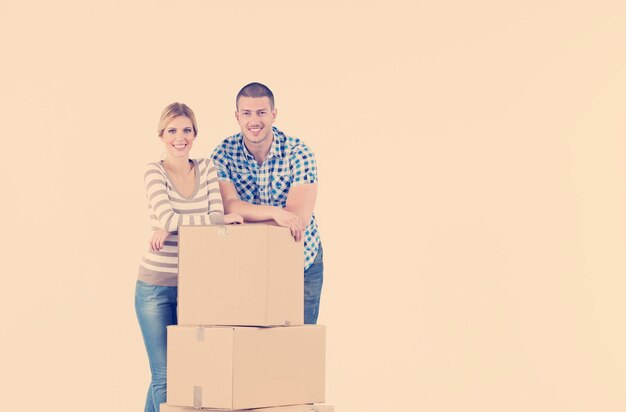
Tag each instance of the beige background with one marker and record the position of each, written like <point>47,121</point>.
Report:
<point>471,195</point>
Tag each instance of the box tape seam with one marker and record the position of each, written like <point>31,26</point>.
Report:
<point>197,397</point>
<point>200,333</point>
<point>222,230</point>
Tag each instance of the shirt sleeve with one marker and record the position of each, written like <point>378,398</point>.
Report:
<point>221,161</point>
<point>166,218</point>
<point>216,207</point>
<point>303,165</point>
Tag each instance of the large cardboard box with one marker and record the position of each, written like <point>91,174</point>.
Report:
<point>293,408</point>
<point>245,367</point>
<point>251,274</point>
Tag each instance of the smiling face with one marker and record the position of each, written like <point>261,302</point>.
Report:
<point>255,116</point>
<point>178,137</point>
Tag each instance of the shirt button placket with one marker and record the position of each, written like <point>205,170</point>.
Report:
<point>262,185</point>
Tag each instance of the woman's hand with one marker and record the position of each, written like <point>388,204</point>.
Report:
<point>158,239</point>
<point>232,218</point>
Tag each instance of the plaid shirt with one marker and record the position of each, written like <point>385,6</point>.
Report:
<point>289,163</point>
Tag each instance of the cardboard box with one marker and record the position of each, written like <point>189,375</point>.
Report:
<point>251,274</point>
<point>293,408</point>
<point>245,367</point>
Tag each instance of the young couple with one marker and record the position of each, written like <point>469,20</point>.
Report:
<point>259,174</point>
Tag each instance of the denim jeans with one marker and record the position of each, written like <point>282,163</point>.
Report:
<point>313,280</point>
<point>156,309</point>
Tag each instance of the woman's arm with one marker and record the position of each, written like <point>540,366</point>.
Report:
<point>167,218</point>
<point>216,207</point>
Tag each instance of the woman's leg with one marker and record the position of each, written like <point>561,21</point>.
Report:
<point>156,309</point>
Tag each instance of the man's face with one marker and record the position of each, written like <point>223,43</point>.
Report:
<point>255,117</point>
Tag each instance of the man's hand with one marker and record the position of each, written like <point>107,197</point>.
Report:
<point>158,239</point>
<point>292,221</point>
<point>232,218</point>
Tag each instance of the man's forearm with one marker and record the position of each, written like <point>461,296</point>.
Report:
<point>249,211</point>
<point>301,201</point>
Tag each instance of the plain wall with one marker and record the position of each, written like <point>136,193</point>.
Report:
<point>471,197</point>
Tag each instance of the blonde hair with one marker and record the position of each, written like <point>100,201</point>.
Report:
<point>174,110</point>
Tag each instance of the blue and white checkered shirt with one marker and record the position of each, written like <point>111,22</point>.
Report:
<point>289,163</point>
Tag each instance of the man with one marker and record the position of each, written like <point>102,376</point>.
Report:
<point>266,175</point>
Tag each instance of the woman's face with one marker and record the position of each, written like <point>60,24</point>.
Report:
<point>178,137</point>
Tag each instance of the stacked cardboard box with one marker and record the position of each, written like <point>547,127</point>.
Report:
<point>292,408</point>
<point>240,342</point>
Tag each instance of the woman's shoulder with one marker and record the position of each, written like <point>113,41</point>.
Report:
<point>154,168</point>
<point>154,165</point>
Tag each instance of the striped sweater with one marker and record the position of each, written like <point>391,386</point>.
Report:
<point>168,210</point>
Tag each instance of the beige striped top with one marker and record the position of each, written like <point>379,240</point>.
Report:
<point>168,210</point>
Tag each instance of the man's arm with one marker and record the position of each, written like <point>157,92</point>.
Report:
<point>303,188</point>
<point>249,211</point>
<point>301,201</point>
<point>259,213</point>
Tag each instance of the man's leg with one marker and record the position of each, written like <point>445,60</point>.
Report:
<point>313,280</point>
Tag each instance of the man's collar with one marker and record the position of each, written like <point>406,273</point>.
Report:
<point>244,148</point>
<point>274,148</point>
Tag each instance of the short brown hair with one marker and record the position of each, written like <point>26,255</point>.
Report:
<point>255,90</point>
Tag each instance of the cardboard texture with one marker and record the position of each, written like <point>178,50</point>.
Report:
<point>249,274</point>
<point>245,367</point>
<point>293,408</point>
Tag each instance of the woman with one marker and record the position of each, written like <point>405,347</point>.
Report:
<point>180,191</point>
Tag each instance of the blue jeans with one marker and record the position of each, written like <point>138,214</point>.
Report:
<point>313,280</point>
<point>156,309</point>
